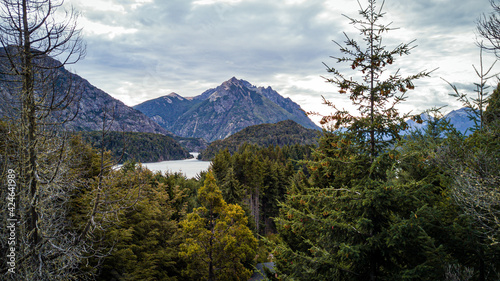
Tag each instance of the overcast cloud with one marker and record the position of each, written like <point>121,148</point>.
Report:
<point>142,49</point>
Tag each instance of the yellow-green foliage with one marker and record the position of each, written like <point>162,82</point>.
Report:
<point>218,243</point>
<point>135,223</point>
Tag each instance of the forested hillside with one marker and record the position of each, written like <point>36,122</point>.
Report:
<point>139,147</point>
<point>257,178</point>
<point>280,134</point>
<point>371,201</point>
<point>192,144</point>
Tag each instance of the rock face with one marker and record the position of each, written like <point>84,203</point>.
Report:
<point>95,102</point>
<point>220,112</point>
<point>89,102</point>
<point>461,121</point>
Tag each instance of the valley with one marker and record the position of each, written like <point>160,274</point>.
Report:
<point>237,177</point>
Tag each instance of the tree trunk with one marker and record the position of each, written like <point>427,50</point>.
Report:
<point>255,208</point>
<point>482,275</point>
<point>29,112</point>
<point>211,273</point>
<point>372,93</point>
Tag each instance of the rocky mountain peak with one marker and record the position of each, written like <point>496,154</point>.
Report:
<point>170,98</point>
<point>231,82</point>
<point>175,95</point>
<point>221,111</point>
<point>228,88</point>
<point>238,82</point>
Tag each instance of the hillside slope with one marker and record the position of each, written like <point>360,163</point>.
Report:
<point>220,112</point>
<point>87,101</point>
<point>283,133</point>
<point>139,147</point>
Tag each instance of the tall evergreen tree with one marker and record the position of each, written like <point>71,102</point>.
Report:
<point>353,220</point>
<point>376,95</point>
<point>492,113</point>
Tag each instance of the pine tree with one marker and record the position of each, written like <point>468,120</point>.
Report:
<point>330,233</point>
<point>352,220</point>
<point>378,124</point>
<point>492,112</point>
<point>231,188</point>
<point>218,244</point>
<point>144,239</point>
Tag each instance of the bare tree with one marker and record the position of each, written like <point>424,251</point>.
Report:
<point>476,191</point>
<point>32,34</point>
<point>476,105</point>
<point>488,26</point>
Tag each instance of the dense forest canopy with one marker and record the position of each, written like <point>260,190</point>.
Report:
<point>362,203</point>
<point>139,147</point>
<point>280,134</point>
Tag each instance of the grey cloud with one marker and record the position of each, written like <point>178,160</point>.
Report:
<point>187,48</point>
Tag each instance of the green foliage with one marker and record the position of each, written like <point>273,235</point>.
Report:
<point>257,178</point>
<point>373,208</point>
<point>138,218</point>
<point>146,236</point>
<point>284,133</point>
<point>338,225</point>
<point>140,147</point>
<point>377,95</point>
<point>492,112</point>
<point>218,244</point>
<point>429,156</point>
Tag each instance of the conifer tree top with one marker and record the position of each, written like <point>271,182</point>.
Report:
<point>378,122</point>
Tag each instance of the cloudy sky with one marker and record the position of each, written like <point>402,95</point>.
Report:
<point>142,49</point>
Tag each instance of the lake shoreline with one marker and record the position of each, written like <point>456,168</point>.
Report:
<point>190,167</point>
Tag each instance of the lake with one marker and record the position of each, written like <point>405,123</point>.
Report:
<point>189,167</point>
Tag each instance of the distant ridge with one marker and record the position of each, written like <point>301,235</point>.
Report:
<point>139,147</point>
<point>458,118</point>
<point>91,105</point>
<point>283,133</point>
<point>222,111</point>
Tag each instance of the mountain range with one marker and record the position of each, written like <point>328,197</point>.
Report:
<point>459,118</point>
<point>213,115</point>
<point>222,111</point>
<point>92,104</point>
